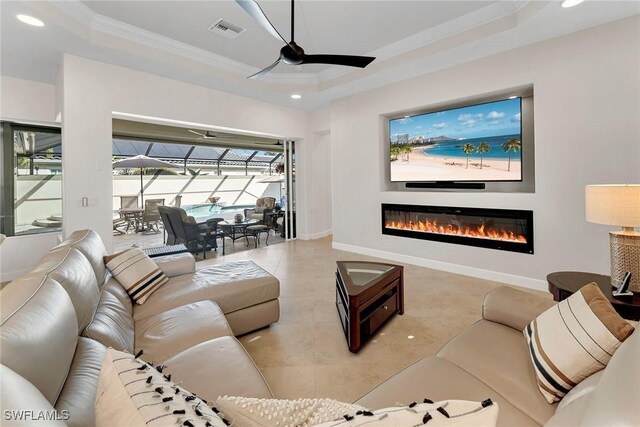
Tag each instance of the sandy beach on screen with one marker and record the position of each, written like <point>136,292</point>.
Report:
<point>422,167</point>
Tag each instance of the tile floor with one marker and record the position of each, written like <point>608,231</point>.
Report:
<point>305,354</point>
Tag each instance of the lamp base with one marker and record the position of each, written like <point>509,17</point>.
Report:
<point>625,256</point>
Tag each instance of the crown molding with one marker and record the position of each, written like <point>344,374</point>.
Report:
<point>112,27</point>
<point>469,21</point>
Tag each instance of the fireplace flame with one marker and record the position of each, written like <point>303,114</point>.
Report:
<point>480,231</point>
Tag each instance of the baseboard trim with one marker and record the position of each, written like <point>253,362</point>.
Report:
<point>496,276</point>
<point>314,236</point>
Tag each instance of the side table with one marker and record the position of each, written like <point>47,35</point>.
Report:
<point>563,284</point>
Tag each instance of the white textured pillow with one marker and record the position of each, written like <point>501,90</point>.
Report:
<point>133,393</point>
<point>574,339</point>
<point>458,413</point>
<point>252,412</point>
<point>136,272</point>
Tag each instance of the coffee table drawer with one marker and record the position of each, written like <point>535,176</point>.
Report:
<point>387,309</point>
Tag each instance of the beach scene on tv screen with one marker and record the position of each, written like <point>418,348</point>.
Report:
<point>475,143</point>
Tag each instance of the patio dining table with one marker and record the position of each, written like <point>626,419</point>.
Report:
<point>236,230</point>
<point>133,216</point>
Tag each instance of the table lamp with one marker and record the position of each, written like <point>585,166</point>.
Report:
<point>618,204</point>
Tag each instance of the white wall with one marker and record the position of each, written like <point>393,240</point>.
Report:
<point>25,100</point>
<point>93,91</point>
<point>313,174</point>
<point>232,189</point>
<point>587,105</point>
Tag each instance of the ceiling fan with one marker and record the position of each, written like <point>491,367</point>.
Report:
<point>291,53</point>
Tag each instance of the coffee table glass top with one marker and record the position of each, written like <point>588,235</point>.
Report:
<point>359,275</point>
<point>242,223</point>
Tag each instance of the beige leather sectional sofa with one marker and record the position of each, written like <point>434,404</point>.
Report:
<point>57,320</point>
<point>491,359</point>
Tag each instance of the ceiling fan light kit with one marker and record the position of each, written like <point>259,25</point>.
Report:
<point>291,53</point>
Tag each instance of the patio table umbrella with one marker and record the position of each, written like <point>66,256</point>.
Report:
<point>271,179</point>
<point>141,162</point>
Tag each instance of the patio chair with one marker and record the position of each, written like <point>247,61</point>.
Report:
<point>189,234</point>
<point>214,233</point>
<point>128,202</point>
<point>170,237</point>
<point>151,215</point>
<point>131,219</point>
<point>264,205</point>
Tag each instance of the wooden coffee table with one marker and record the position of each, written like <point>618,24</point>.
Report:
<point>368,295</point>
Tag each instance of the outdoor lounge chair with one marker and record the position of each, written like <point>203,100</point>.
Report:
<point>186,231</point>
<point>264,205</point>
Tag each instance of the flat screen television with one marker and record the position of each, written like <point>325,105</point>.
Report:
<point>476,143</point>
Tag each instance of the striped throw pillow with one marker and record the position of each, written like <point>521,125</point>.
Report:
<point>136,272</point>
<point>574,339</point>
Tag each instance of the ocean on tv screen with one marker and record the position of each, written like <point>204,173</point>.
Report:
<point>476,143</point>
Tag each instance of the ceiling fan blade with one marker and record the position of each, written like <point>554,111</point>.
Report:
<point>256,12</point>
<point>264,71</point>
<point>347,60</point>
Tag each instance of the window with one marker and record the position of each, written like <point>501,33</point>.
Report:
<point>31,186</point>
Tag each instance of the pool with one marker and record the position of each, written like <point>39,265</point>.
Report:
<point>204,211</point>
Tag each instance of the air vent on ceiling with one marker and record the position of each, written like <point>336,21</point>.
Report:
<point>226,29</point>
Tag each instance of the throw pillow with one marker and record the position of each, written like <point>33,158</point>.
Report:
<point>244,412</point>
<point>133,393</point>
<point>573,340</point>
<point>250,412</point>
<point>136,272</point>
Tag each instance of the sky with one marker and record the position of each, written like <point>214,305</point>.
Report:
<point>478,121</point>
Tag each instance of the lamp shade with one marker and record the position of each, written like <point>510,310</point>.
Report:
<point>613,204</point>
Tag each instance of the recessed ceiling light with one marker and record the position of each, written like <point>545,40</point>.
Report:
<point>30,20</point>
<point>571,3</point>
<point>296,96</point>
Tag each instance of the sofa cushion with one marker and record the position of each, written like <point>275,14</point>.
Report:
<point>500,360</point>
<point>134,394</point>
<point>17,395</point>
<point>137,273</point>
<point>89,243</point>
<point>166,334</point>
<point>176,264</point>
<point>436,378</point>
<point>232,285</point>
<point>513,307</point>
<point>583,389</point>
<point>614,402</point>
<point>572,414</point>
<point>218,367</point>
<point>112,324</point>
<point>79,393</point>
<point>574,339</point>
<point>72,270</point>
<point>39,331</point>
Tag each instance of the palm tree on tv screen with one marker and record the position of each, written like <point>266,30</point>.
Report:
<point>482,149</point>
<point>514,145</point>
<point>468,149</point>
<point>406,150</point>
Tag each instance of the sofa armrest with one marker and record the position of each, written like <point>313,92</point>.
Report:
<point>177,264</point>
<point>514,308</point>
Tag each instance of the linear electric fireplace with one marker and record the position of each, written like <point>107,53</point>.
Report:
<point>504,229</point>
